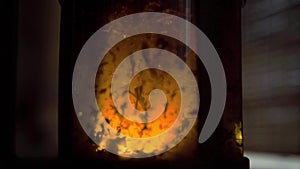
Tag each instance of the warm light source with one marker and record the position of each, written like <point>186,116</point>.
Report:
<point>139,90</point>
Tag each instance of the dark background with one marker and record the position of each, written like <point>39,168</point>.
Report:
<point>270,64</point>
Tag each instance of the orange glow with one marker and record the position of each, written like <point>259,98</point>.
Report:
<point>139,89</point>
